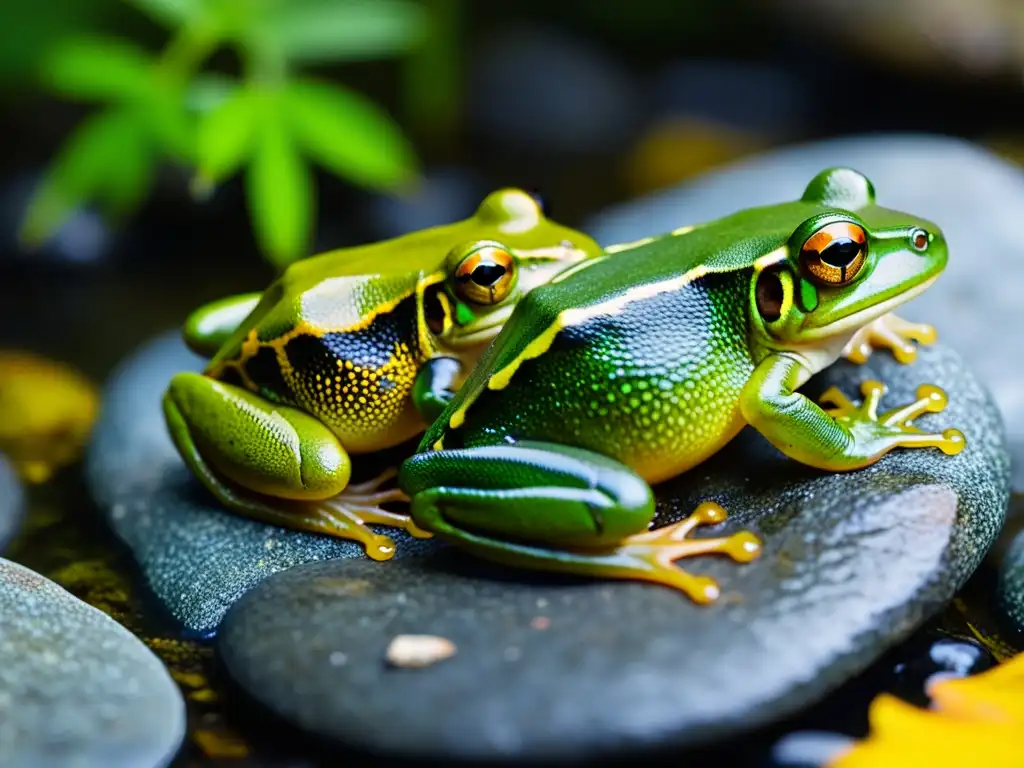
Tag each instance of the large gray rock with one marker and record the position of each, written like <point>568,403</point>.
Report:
<point>77,690</point>
<point>11,502</point>
<point>975,196</point>
<point>554,668</point>
<point>196,557</point>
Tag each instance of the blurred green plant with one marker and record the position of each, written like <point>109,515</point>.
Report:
<point>273,123</point>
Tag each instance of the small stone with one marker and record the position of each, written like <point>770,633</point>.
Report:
<point>809,749</point>
<point>76,688</point>
<point>852,564</point>
<point>12,501</point>
<point>415,651</point>
<point>196,557</point>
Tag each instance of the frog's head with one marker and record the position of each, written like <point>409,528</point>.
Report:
<point>847,263</point>
<point>520,249</point>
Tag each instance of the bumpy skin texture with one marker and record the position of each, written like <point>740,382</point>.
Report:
<point>350,352</point>
<point>355,380</point>
<point>642,385</point>
<point>655,357</point>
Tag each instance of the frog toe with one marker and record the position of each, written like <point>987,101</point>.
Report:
<point>895,428</point>
<point>651,556</point>
<point>899,336</point>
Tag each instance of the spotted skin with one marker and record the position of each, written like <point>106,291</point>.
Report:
<point>655,393</point>
<point>357,382</point>
<point>632,369</point>
<point>352,352</point>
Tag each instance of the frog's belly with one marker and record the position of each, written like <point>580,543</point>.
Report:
<point>659,422</point>
<point>365,400</point>
<point>367,409</point>
<point>658,438</point>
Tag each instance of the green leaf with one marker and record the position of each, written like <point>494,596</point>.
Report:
<point>107,158</point>
<point>98,68</point>
<point>208,90</point>
<point>349,134</point>
<point>281,194</point>
<point>346,30</point>
<point>171,13</point>
<point>172,125</point>
<point>226,137</point>
<point>129,175</point>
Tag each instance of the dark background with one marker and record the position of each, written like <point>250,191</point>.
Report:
<point>592,80</point>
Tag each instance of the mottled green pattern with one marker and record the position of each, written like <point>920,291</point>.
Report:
<point>653,385</point>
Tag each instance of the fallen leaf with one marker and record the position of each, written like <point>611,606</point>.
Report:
<point>976,720</point>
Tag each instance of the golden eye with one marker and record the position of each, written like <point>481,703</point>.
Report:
<point>486,276</point>
<point>834,254</point>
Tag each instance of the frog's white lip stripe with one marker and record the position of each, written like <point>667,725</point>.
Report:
<point>860,319</point>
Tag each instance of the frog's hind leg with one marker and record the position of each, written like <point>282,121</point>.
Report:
<point>553,508</point>
<point>892,333</point>
<point>274,463</point>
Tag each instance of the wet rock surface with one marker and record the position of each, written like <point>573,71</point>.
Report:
<point>11,502</point>
<point>972,194</point>
<point>195,557</point>
<point>76,688</point>
<point>548,667</point>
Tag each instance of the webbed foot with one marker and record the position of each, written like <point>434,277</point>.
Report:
<point>650,556</point>
<point>879,433</point>
<point>892,333</point>
<point>348,514</point>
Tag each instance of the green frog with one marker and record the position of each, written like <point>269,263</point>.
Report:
<point>351,352</point>
<point>630,369</point>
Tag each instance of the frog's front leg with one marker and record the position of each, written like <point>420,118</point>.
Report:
<point>207,328</point>
<point>434,386</point>
<point>276,464</point>
<point>846,438</point>
<point>556,508</point>
<point>892,333</point>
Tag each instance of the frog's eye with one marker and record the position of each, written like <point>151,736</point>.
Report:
<point>919,238</point>
<point>486,276</point>
<point>835,254</point>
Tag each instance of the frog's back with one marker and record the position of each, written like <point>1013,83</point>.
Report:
<point>345,349</point>
<point>649,374</point>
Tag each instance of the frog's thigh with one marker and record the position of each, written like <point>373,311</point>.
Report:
<point>543,493</point>
<point>270,449</point>
<point>207,328</point>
